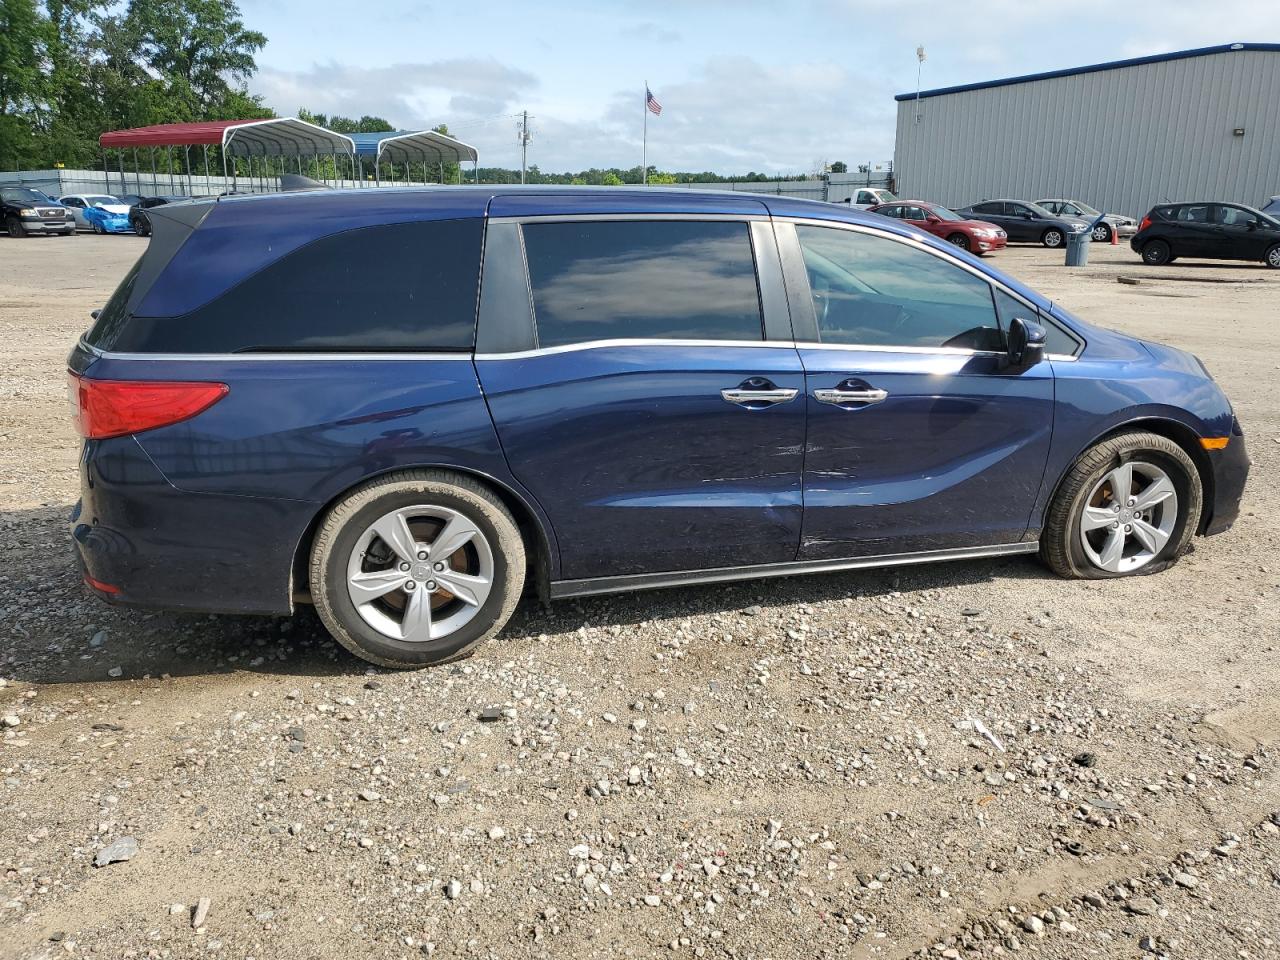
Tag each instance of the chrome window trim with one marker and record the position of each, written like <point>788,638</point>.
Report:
<point>593,217</point>
<point>548,351</point>
<point>917,244</point>
<point>637,342</point>
<point>653,581</point>
<point>286,355</point>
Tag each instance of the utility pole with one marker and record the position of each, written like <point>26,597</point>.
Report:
<point>524,137</point>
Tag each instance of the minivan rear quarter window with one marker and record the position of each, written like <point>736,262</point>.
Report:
<point>642,279</point>
<point>400,287</point>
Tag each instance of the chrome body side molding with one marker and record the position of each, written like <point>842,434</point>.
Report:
<point>654,581</point>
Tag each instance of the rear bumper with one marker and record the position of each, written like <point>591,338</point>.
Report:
<point>148,544</point>
<point>1230,471</point>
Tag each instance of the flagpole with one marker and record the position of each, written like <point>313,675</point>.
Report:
<point>644,140</point>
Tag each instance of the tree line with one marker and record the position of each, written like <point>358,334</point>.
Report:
<point>72,69</point>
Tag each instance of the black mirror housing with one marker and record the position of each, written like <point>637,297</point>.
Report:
<point>1025,343</point>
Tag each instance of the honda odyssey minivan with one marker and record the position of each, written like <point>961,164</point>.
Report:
<point>408,406</point>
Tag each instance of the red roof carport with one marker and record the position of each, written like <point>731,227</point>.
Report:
<point>275,137</point>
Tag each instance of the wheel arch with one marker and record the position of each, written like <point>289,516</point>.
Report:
<point>1181,434</point>
<point>540,548</point>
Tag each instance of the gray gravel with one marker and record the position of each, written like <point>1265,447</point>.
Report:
<point>954,761</point>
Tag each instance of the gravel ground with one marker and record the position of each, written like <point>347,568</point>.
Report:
<point>955,760</point>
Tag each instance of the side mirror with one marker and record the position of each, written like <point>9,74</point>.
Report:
<point>932,219</point>
<point>1025,343</point>
<point>94,314</point>
<point>1252,223</point>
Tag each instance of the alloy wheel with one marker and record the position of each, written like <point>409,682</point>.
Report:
<point>419,573</point>
<point>1052,238</point>
<point>1273,256</point>
<point>1129,517</point>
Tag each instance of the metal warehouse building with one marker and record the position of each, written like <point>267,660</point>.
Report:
<point>1122,136</point>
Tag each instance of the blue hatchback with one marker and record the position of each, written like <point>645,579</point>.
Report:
<point>407,406</point>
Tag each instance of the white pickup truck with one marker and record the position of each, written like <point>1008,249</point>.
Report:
<point>865,197</point>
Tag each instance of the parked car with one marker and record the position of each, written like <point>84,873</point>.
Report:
<point>1272,208</point>
<point>138,212</point>
<point>865,197</point>
<point>98,212</point>
<point>1207,230</point>
<point>1026,222</point>
<point>977,236</point>
<point>1121,226</point>
<point>650,388</point>
<point>26,212</point>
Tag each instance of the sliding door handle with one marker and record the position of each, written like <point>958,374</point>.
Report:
<point>850,397</point>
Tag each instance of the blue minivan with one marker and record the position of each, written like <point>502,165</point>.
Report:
<point>407,406</point>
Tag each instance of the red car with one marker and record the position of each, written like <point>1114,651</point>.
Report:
<point>977,236</point>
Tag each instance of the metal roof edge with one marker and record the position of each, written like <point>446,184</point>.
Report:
<point>1091,68</point>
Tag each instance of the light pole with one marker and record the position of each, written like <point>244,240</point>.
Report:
<point>919,68</point>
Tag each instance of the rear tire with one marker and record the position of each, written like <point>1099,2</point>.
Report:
<point>1156,253</point>
<point>1079,525</point>
<point>1272,258</point>
<point>428,623</point>
<point>1053,238</point>
<point>959,240</point>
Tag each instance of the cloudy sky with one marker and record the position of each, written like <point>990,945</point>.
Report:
<point>744,85</point>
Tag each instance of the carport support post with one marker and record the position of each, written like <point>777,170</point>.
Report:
<point>205,148</point>
<point>137,173</point>
<point>123,188</point>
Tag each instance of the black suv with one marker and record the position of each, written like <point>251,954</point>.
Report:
<point>26,212</point>
<point>1207,230</point>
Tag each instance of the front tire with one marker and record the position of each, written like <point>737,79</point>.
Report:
<point>1129,506</point>
<point>1156,253</point>
<point>1053,238</point>
<point>417,568</point>
<point>959,240</point>
<point>1101,233</point>
<point>15,227</point>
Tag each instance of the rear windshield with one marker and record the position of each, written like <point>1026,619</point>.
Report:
<point>390,287</point>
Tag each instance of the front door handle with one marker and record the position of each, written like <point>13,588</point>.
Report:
<point>763,397</point>
<point>849,397</point>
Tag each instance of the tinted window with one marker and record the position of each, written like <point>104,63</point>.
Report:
<point>991,207</point>
<point>1234,216</point>
<point>895,212</point>
<point>1193,213</point>
<point>879,292</point>
<point>645,279</point>
<point>403,286</point>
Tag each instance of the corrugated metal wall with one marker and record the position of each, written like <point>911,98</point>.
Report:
<point>1121,140</point>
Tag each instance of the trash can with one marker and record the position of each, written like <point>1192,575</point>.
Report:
<point>1078,249</point>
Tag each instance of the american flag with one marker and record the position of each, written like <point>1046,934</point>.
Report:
<point>651,102</point>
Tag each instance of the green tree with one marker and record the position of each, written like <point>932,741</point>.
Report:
<point>23,36</point>
<point>198,48</point>
<point>839,167</point>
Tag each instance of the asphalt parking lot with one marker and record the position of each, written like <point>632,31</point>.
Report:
<point>951,760</point>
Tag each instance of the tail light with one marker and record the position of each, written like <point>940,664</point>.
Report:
<point>1146,222</point>
<point>113,408</point>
